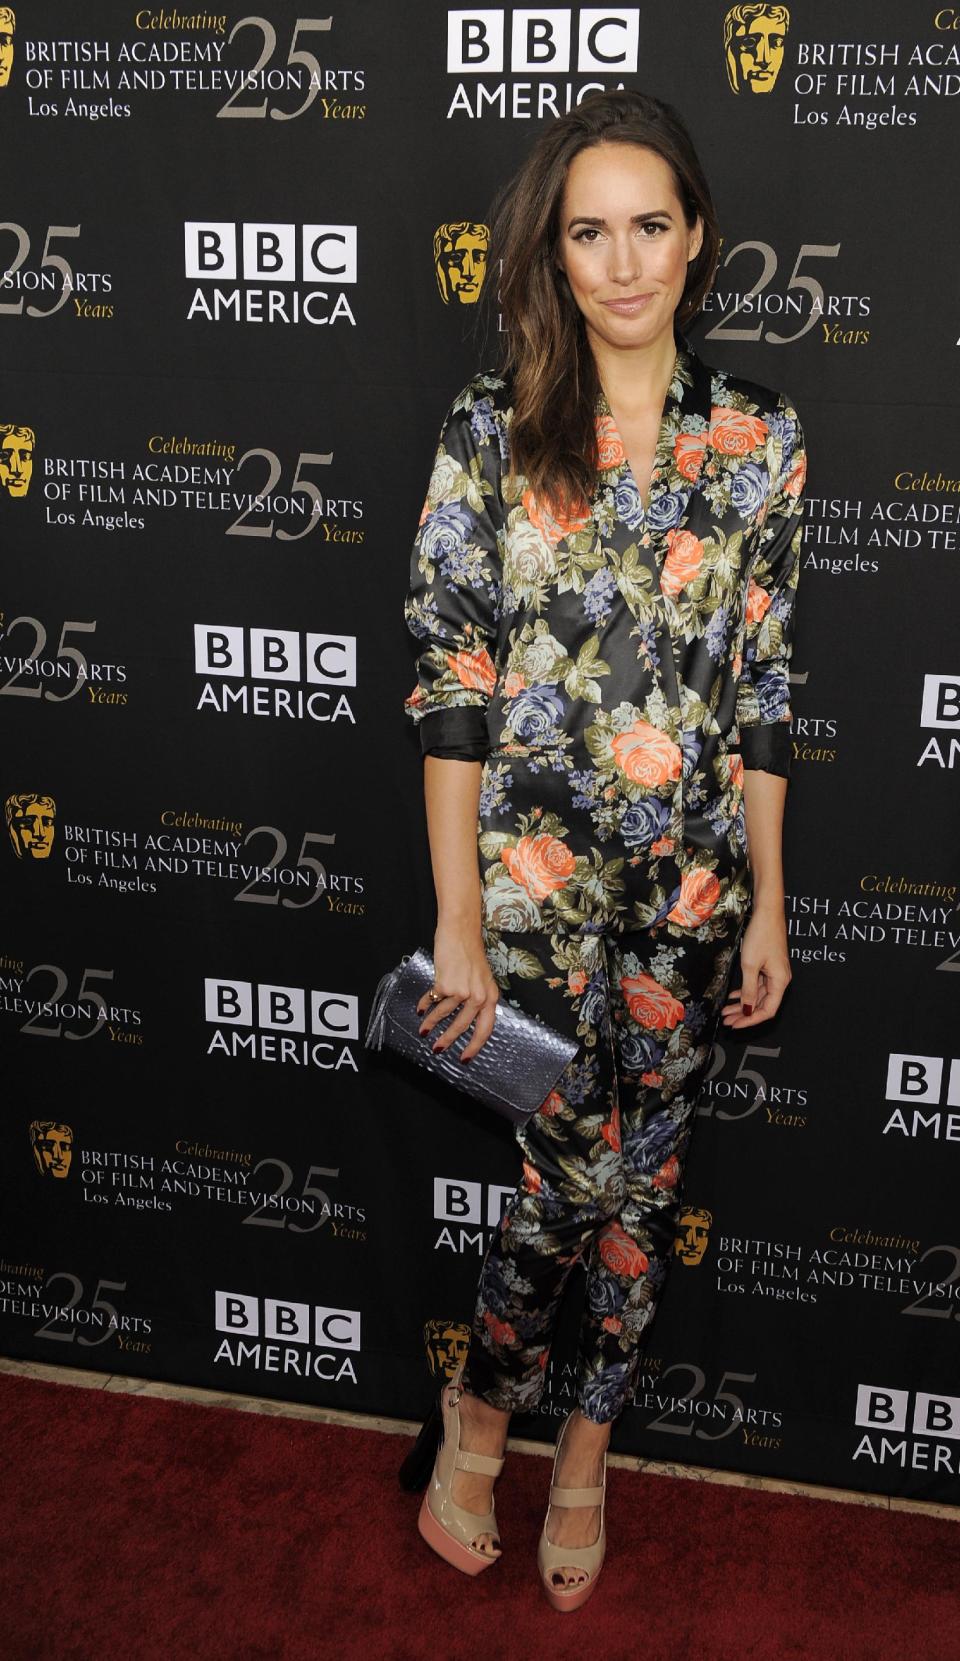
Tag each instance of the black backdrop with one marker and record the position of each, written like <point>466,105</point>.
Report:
<point>224,1188</point>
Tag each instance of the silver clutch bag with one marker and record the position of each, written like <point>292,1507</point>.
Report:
<point>513,1072</point>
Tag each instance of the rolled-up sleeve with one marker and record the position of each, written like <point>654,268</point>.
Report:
<point>763,692</point>
<point>453,603</point>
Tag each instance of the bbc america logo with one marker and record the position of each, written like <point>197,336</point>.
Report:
<point>327,662</point>
<point>541,41</point>
<point>291,260</point>
<point>916,1438</point>
<point>270,1023</point>
<point>919,1080</point>
<point>283,1336</point>
<point>488,44</point>
<point>468,1210</point>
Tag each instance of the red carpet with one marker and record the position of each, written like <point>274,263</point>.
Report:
<point>131,1527</point>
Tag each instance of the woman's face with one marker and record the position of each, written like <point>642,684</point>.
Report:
<point>624,243</point>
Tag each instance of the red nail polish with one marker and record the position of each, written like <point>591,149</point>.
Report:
<point>748,1009</point>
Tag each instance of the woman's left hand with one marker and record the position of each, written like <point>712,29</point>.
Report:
<point>765,967</point>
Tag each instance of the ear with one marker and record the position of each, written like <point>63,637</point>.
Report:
<point>696,240</point>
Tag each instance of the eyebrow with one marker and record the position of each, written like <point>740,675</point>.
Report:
<point>636,219</point>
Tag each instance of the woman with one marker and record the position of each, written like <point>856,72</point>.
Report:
<point>603,589</point>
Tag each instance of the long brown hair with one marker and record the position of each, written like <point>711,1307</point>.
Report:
<point>553,433</point>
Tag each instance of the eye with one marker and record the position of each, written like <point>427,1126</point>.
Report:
<point>653,225</point>
<point>586,234</point>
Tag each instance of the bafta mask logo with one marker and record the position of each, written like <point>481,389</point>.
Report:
<point>16,458</point>
<point>8,24</point>
<point>30,821</point>
<point>52,1145</point>
<point>460,258</point>
<point>693,1235</point>
<point>753,38</point>
<point>446,1343</point>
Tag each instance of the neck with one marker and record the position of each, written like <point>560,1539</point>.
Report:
<point>636,379</point>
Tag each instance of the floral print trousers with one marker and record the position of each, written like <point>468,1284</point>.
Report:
<point>603,1157</point>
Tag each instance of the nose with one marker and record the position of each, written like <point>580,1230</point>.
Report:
<point>624,263</point>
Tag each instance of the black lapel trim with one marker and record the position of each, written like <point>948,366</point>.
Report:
<point>698,398</point>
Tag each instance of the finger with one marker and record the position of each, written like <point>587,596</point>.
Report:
<point>735,1010</point>
<point>439,1012</point>
<point>481,1032</point>
<point>459,1024</point>
<point>768,1002</point>
<point>750,988</point>
<point>428,1001</point>
<point>771,995</point>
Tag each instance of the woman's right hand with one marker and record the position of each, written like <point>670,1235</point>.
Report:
<point>463,976</point>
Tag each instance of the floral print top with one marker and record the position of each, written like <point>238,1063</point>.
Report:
<point>642,654</point>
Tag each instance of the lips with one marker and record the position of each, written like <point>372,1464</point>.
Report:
<point>628,304</point>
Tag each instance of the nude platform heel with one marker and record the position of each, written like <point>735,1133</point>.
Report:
<point>448,1528</point>
<point>551,1557</point>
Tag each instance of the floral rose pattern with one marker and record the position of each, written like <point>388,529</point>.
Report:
<point>616,668</point>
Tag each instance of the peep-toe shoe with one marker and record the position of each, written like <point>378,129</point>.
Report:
<point>550,1558</point>
<point>447,1527</point>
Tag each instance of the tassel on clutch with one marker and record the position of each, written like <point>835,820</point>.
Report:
<point>513,1072</point>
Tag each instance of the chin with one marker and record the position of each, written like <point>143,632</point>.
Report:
<point>629,330</point>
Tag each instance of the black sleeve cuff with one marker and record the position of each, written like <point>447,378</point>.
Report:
<point>455,734</point>
<point>767,749</point>
<point>450,752</point>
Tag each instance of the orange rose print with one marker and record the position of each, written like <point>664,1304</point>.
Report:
<point>683,561</point>
<point>794,484</point>
<point>475,669</point>
<point>611,1130</point>
<point>622,1255</point>
<point>540,864</point>
<point>532,1180</point>
<point>553,525</point>
<point>552,1104</point>
<point>610,451</point>
<point>513,684</point>
<point>688,450</point>
<point>650,1004</point>
<point>732,433</point>
<point>736,771</point>
<point>500,1331</point>
<point>699,893</point>
<point>668,1174</point>
<point>646,755</point>
<point>758,602</point>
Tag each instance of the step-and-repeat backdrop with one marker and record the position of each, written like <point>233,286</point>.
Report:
<point>241,257</point>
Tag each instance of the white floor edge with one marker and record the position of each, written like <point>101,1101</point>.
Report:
<point>90,1380</point>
